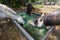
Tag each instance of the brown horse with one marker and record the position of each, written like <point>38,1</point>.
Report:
<point>52,18</point>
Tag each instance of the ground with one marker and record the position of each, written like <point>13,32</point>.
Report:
<point>9,31</point>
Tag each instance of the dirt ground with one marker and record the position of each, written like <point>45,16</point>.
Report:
<point>38,10</point>
<point>55,35</point>
<point>9,31</point>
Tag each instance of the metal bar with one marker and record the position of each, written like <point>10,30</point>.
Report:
<point>45,37</point>
<point>24,31</point>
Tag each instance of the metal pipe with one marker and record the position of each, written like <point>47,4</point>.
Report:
<point>24,31</point>
<point>46,36</point>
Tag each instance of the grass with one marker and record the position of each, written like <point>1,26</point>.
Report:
<point>38,6</point>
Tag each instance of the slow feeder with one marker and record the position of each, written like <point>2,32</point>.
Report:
<point>37,33</point>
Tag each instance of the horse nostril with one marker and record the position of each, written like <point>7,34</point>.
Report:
<point>41,20</point>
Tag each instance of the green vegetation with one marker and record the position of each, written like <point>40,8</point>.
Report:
<point>17,3</point>
<point>38,6</point>
<point>13,3</point>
